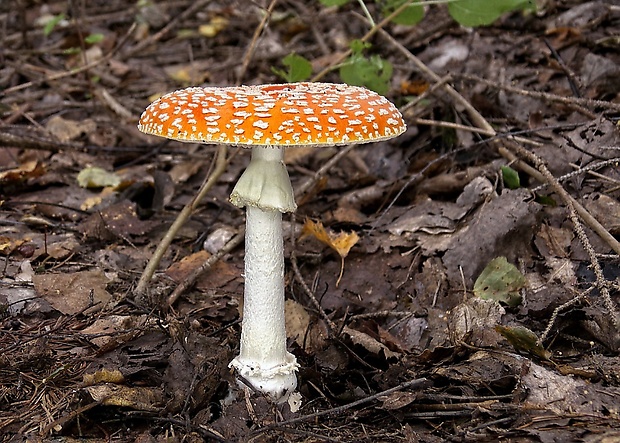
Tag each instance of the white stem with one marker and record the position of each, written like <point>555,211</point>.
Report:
<point>263,360</point>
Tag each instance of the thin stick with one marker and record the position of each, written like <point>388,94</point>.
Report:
<point>419,383</point>
<point>559,309</point>
<point>152,39</point>
<point>543,95</point>
<point>460,127</point>
<point>196,273</point>
<point>221,162</point>
<point>588,169</point>
<point>252,47</point>
<point>84,68</point>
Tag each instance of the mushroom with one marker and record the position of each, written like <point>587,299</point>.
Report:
<point>268,118</point>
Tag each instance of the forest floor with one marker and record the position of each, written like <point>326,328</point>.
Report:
<point>478,301</point>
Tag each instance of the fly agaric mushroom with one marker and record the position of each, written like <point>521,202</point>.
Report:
<point>268,118</point>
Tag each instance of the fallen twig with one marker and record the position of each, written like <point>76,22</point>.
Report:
<point>220,166</point>
<point>590,103</point>
<point>83,68</point>
<point>419,383</point>
<point>189,281</point>
<point>252,46</point>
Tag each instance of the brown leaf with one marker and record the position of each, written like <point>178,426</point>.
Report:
<point>139,398</point>
<point>310,335</point>
<point>66,130</point>
<point>368,342</point>
<point>341,242</point>
<point>25,171</point>
<point>73,293</point>
<point>103,376</point>
<point>414,87</point>
<point>218,276</point>
<point>397,400</point>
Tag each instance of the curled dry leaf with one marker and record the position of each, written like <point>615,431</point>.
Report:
<point>473,321</point>
<point>368,342</point>
<point>139,398</point>
<point>103,376</point>
<point>25,171</point>
<point>341,242</point>
<point>523,339</point>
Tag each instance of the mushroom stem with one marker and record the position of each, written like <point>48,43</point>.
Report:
<point>263,361</point>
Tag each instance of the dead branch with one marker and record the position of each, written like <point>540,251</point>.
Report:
<point>221,162</point>
<point>419,383</point>
<point>576,101</point>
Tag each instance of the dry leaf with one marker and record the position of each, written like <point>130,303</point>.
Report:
<point>308,334</point>
<point>8,245</point>
<point>25,171</point>
<point>103,376</point>
<point>72,293</point>
<point>219,275</point>
<point>139,398</point>
<point>368,342</point>
<point>397,400</point>
<point>414,87</point>
<point>341,242</point>
<point>214,27</point>
<point>66,130</point>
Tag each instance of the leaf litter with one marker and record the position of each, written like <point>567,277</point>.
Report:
<point>81,357</point>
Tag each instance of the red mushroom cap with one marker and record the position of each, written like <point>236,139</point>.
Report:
<point>296,114</point>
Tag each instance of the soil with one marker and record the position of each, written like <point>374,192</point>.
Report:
<point>479,288</point>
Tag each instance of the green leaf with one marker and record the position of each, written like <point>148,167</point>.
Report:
<point>484,12</point>
<point>71,51</point>
<point>95,177</point>
<point>373,73</point>
<point>500,281</point>
<point>299,68</point>
<point>522,339</point>
<point>94,38</point>
<point>546,200</point>
<point>357,46</point>
<point>334,2</point>
<point>511,177</point>
<point>51,24</point>
<point>411,15</point>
